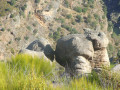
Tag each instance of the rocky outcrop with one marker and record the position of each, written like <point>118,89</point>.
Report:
<point>40,48</point>
<point>82,52</point>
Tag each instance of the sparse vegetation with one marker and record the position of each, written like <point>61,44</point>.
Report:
<point>78,9</point>
<point>61,20</point>
<point>26,37</point>
<point>24,7</point>
<point>12,2</point>
<point>28,27</point>
<point>70,29</point>
<point>68,16</point>
<point>84,10</point>
<point>78,18</point>
<point>12,16</point>
<point>5,8</point>
<point>37,1</point>
<point>66,3</point>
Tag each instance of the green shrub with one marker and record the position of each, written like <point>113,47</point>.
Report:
<point>26,37</point>
<point>12,16</point>
<point>28,27</point>
<point>88,19</point>
<point>13,2</point>
<point>73,22</point>
<point>61,20</point>
<point>78,18</point>
<point>24,7</point>
<point>56,35</point>
<point>8,29</point>
<point>68,16</point>
<point>111,48</point>
<point>12,51</point>
<point>37,1</point>
<point>96,16</point>
<point>58,29</point>
<point>70,29</point>
<point>105,9</point>
<point>78,9</point>
<point>66,3</point>
<point>84,10</point>
<point>5,8</point>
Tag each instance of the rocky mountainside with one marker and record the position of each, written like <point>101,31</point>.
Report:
<point>23,21</point>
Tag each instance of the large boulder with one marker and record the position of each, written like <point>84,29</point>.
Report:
<point>40,48</point>
<point>83,52</point>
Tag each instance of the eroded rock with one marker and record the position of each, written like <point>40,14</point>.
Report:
<point>40,48</point>
<point>80,53</point>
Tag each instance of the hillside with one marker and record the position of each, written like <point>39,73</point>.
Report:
<point>23,21</point>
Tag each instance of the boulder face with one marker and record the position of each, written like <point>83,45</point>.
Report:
<point>40,48</point>
<point>82,52</point>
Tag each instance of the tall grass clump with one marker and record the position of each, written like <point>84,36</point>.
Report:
<point>83,84</point>
<point>25,72</point>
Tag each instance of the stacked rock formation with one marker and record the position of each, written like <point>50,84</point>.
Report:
<point>81,53</point>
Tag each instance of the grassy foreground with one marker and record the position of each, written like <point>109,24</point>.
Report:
<point>24,72</point>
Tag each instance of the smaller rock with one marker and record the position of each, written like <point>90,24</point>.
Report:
<point>116,69</point>
<point>33,53</point>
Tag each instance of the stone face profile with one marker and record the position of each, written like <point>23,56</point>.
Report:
<point>82,53</point>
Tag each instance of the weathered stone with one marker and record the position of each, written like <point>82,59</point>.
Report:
<point>83,52</point>
<point>40,47</point>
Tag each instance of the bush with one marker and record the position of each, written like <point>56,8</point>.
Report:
<point>84,10</point>
<point>37,1</point>
<point>61,20</point>
<point>73,22</point>
<point>56,35</point>
<point>66,3</point>
<point>96,16</point>
<point>28,27</point>
<point>78,9</point>
<point>88,19</point>
<point>12,16</point>
<point>78,18</point>
<point>68,16</point>
<point>70,29</point>
<point>26,37</point>
<point>24,7</point>
<point>13,2</point>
